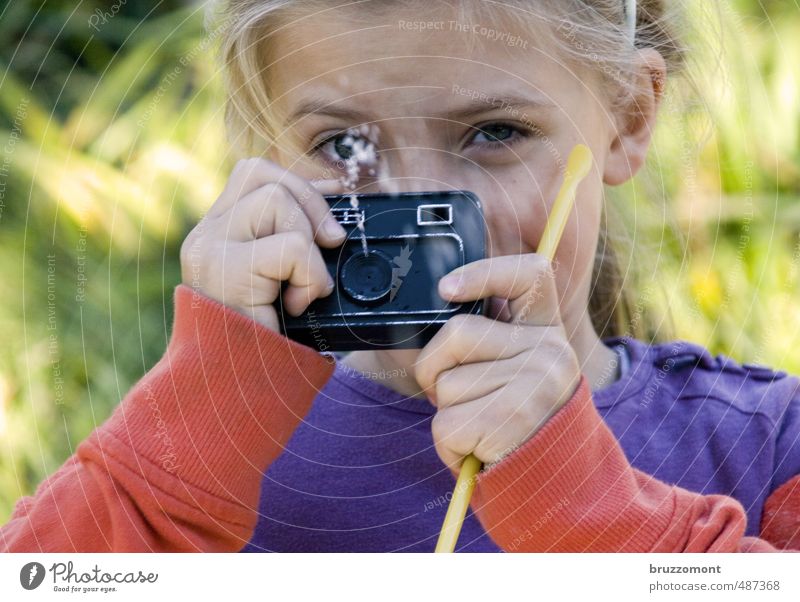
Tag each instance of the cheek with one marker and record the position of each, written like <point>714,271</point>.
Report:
<point>576,252</point>
<point>516,209</point>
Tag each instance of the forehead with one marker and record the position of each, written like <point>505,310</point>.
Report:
<point>407,59</point>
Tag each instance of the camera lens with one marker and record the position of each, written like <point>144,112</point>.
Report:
<point>367,278</point>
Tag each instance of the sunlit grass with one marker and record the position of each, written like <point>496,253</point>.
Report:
<point>106,191</point>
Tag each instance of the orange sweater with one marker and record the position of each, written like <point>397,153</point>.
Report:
<point>178,466</point>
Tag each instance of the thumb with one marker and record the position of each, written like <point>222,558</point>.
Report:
<point>526,281</point>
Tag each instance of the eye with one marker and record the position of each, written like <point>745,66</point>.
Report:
<point>498,134</point>
<point>495,132</point>
<point>346,147</point>
<point>334,147</point>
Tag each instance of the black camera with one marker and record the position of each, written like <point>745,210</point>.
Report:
<point>387,270</point>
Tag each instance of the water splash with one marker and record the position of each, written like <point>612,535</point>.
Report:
<point>360,224</point>
<point>362,142</point>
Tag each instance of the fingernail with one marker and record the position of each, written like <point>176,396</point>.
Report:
<point>331,284</point>
<point>334,229</point>
<point>450,286</point>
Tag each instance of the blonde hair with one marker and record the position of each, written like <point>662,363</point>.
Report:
<point>589,33</point>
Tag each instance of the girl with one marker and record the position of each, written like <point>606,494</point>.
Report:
<point>242,439</point>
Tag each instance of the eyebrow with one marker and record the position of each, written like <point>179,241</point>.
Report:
<point>476,106</point>
<point>508,102</point>
<point>318,106</point>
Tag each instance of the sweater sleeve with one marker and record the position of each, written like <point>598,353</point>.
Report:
<point>178,465</point>
<point>570,488</point>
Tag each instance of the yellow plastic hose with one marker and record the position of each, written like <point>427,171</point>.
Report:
<point>578,165</point>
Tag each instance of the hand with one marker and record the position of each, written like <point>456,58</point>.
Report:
<point>263,229</point>
<point>495,383</point>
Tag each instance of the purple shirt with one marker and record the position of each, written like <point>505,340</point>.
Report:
<point>360,474</point>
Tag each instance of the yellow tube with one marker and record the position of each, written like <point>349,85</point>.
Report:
<point>457,510</point>
<point>578,165</point>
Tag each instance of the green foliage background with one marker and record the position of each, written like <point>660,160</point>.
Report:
<point>111,147</point>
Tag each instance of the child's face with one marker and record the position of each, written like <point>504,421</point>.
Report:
<point>429,93</point>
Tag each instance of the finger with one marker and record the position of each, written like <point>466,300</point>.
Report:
<point>469,382</point>
<point>328,232</point>
<point>461,430</point>
<point>527,281</point>
<point>267,210</point>
<point>250,174</point>
<point>262,314</point>
<point>246,176</point>
<point>330,186</point>
<point>292,257</point>
<point>297,298</point>
<point>456,433</point>
<point>245,288</point>
<point>465,339</point>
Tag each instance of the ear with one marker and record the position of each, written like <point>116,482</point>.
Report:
<point>636,119</point>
